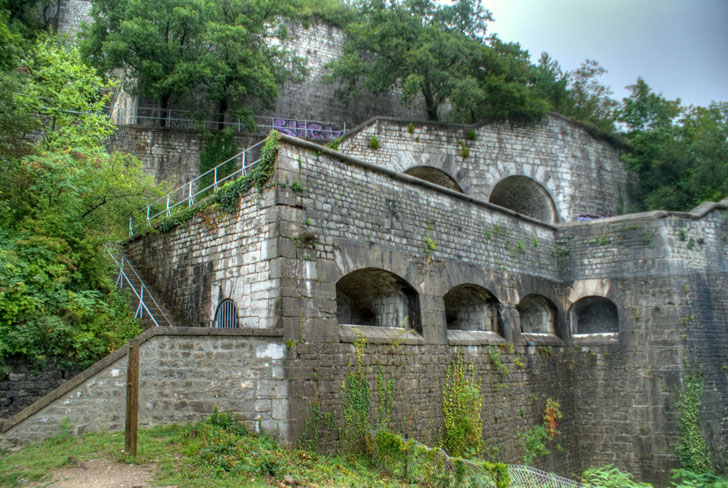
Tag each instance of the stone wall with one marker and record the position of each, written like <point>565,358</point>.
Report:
<point>72,14</point>
<point>184,374</point>
<point>21,387</point>
<point>316,98</point>
<point>216,256</point>
<point>580,172</point>
<point>168,155</point>
<point>662,272</point>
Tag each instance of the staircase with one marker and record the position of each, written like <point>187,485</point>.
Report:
<point>147,309</point>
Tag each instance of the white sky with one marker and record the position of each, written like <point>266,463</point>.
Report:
<point>679,47</point>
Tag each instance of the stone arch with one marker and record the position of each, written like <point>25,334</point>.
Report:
<point>537,314</point>
<point>594,315</point>
<point>472,307</point>
<point>526,196</point>
<point>376,297</point>
<point>434,175</point>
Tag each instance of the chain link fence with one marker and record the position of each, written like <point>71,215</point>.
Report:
<point>430,466</point>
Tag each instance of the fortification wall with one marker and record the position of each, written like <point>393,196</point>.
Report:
<point>618,389</point>
<point>21,386</point>
<point>184,374</point>
<point>168,155</point>
<point>580,172</point>
<point>216,256</point>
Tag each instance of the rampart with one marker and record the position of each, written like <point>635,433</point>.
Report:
<point>600,316</point>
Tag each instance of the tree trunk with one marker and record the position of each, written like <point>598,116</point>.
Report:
<point>222,110</point>
<point>164,102</point>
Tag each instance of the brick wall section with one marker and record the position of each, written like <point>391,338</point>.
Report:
<point>581,172</point>
<point>184,374</point>
<point>215,256</point>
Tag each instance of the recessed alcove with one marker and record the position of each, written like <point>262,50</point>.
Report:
<point>525,196</point>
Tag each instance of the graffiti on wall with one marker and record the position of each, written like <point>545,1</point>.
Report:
<point>306,130</point>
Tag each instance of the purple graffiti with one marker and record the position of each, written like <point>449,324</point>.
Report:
<point>306,130</point>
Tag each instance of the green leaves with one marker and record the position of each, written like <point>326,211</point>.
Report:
<point>678,154</point>
<point>437,55</point>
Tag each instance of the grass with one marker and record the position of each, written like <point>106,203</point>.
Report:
<point>218,453</point>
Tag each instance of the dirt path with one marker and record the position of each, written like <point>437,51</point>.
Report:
<point>100,473</point>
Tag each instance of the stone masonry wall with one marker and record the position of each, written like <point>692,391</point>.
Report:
<point>349,217</point>
<point>73,13</point>
<point>184,374</point>
<point>315,98</point>
<point>21,387</point>
<point>581,173</point>
<point>215,256</point>
<point>168,155</point>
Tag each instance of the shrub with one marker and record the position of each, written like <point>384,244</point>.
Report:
<point>373,143</point>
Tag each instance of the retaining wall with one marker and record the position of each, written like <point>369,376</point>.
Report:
<point>184,374</point>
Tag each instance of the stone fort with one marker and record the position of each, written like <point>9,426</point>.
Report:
<point>426,251</point>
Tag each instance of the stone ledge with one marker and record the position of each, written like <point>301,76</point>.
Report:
<point>379,335</point>
<point>602,339</point>
<point>473,337</point>
<point>77,380</point>
<point>531,339</point>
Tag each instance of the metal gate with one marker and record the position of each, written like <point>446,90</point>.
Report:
<point>226,316</point>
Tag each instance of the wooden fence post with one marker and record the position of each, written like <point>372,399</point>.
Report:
<point>132,399</point>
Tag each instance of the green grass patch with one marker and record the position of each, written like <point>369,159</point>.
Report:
<point>217,453</point>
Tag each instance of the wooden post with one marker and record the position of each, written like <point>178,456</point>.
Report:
<point>132,399</point>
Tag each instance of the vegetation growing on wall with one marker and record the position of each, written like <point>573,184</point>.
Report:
<point>462,402</point>
<point>692,450</point>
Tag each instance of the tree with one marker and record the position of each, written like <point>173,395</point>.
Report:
<point>240,68</point>
<point>58,206</point>
<point>587,99</point>
<point>155,46</point>
<point>419,46</point>
<point>439,54</point>
<point>678,154</point>
<point>179,50</point>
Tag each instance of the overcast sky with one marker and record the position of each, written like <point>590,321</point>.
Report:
<point>679,47</point>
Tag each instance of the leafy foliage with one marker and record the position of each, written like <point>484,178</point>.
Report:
<point>219,147</point>
<point>611,477</point>
<point>678,153</point>
<point>356,399</point>
<point>692,450</point>
<point>438,53</point>
<point>173,49</point>
<point>61,199</point>
<point>462,402</point>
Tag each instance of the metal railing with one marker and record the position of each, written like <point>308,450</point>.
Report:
<point>140,291</point>
<point>186,194</point>
<point>180,119</point>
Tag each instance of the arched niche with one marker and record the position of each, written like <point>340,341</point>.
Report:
<point>226,315</point>
<point>594,315</point>
<point>377,297</point>
<point>524,195</point>
<point>434,175</point>
<point>472,307</point>
<point>537,314</point>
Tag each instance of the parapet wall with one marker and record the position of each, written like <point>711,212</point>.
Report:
<point>580,172</point>
<point>184,374</point>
